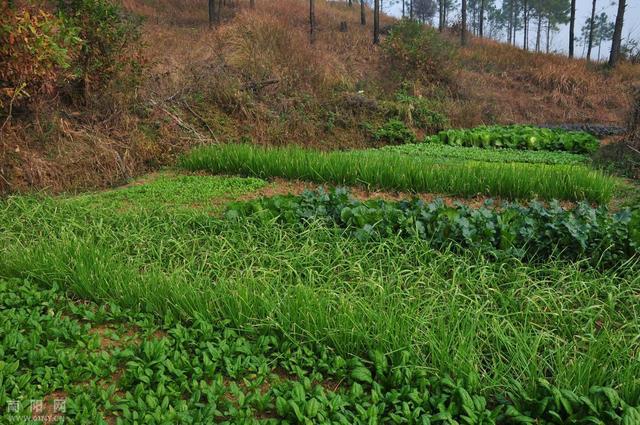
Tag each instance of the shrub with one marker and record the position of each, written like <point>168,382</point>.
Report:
<point>38,50</point>
<point>394,131</point>
<point>417,112</point>
<point>416,52</point>
<point>108,50</point>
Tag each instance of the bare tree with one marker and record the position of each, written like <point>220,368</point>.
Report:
<point>616,43</point>
<point>363,14</point>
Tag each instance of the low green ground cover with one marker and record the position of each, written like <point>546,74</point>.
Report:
<point>528,232</point>
<point>172,192</point>
<point>496,327</point>
<point>446,152</point>
<point>519,137</point>
<point>109,365</point>
<point>395,171</point>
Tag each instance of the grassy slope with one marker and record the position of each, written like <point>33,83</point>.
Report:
<point>192,92</point>
<point>496,325</point>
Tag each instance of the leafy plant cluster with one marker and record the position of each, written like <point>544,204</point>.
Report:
<point>448,153</point>
<point>395,132</point>
<point>114,365</point>
<point>533,231</point>
<point>85,44</point>
<point>519,137</point>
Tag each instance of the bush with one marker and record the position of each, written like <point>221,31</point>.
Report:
<point>88,44</point>
<point>394,131</point>
<point>109,44</point>
<point>38,50</point>
<point>416,52</point>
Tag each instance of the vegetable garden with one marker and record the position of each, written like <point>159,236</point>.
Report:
<point>196,298</point>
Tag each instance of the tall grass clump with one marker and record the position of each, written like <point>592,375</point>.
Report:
<point>389,170</point>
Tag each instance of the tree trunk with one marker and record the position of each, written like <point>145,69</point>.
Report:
<point>548,34</point>
<point>616,42</point>
<point>525,17</point>
<point>376,22</point>
<point>219,12</point>
<point>510,23</point>
<point>591,25</point>
<point>253,4</point>
<point>363,13</point>
<point>312,21</point>
<point>572,28</point>
<point>538,33</point>
<point>441,15</point>
<point>474,21</point>
<point>481,29</point>
<point>403,9</point>
<point>599,50</point>
<point>212,12</point>
<point>463,29</point>
<point>350,3</point>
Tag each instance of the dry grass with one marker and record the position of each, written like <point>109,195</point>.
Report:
<point>543,88</point>
<point>256,76</point>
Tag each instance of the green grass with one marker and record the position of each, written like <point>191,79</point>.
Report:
<point>446,152</point>
<point>496,325</point>
<point>386,170</point>
<point>114,365</point>
<point>175,193</point>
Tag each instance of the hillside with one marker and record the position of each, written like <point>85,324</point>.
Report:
<point>305,232</point>
<point>256,77</point>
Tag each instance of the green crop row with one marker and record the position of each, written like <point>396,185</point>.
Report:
<point>519,137</point>
<point>515,230</point>
<point>395,171</point>
<point>448,153</point>
<point>112,365</point>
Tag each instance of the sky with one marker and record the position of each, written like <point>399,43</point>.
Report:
<point>583,11</point>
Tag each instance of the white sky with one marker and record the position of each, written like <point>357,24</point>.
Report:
<point>583,11</point>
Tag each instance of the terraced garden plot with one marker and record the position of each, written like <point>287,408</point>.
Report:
<point>515,323</point>
<point>395,171</point>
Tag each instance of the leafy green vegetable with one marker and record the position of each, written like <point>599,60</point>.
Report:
<point>449,153</point>
<point>169,371</point>
<point>395,132</point>
<point>519,137</point>
<point>533,231</point>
